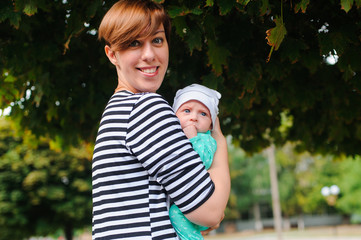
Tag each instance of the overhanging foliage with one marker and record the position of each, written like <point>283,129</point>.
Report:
<point>49,49</point>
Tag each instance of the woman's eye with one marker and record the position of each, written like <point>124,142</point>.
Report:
<point>158,40</point>
<point>135,43</point>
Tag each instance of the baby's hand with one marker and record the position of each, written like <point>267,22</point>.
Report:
<point>190,131</point>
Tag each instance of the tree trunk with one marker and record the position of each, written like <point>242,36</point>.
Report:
<point>68,231</point>
<point>257,217</point>
<point>286,224</point>
<point>276,206</point>
<point>300,223</point>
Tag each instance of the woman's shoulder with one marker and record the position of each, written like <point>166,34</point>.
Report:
<point>129,96</point>
<point>140,101</point>
<point>151,98</point>
<point>150,95</point>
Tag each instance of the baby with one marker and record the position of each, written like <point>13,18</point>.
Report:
<point>196,106</point>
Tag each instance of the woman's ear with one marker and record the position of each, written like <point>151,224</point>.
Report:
<point>110,54</point>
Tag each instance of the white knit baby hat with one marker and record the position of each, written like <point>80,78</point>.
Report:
<point>209,97</point>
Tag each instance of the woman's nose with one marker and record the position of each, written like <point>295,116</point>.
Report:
<point>148,54</point>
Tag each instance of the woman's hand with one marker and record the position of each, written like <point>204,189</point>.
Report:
<point>217,132</point>
<point>205,232</point>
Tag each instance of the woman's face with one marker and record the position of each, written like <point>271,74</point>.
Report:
<point>142,66</point>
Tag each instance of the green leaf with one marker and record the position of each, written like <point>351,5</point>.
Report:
<point>329,42</point>
<point>292,49</point>
<point>310,59</point>
<point>5,13</point>
<point>81,185</point>
<point>33,178</point>
<point>56,144</point>
<point>276,35</point>
<point>217,56</point>
<point>253,75</point>
<point>212,81</point>
<point>175,11</point>
<point>235,107</point>
<point>180,25</point>
<point>56,193</point>
<point>325,43</point>
<point>209,3</point>
<point>14,19</point>
<point>92,8</point>
<point>51,113</point>
<point>197,11</point>
<point>265,7</point>
<point>225,6</point>
<point>346,5</point>
<point>348,73</point>
<point>301,6</point>
<point>194,39</point>
<point>10,79</point>
<point>30,8</point>
<point>243,2</point>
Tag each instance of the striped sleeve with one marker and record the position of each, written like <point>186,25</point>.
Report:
<point>155,137</point>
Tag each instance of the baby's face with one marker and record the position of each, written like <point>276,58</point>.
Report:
<point>195,113</point>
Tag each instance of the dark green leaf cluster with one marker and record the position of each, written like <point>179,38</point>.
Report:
<point>49,49</point>
<point>53,72</point>
<point>300,81</point>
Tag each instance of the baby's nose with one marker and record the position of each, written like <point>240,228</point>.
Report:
<point>194,117</point>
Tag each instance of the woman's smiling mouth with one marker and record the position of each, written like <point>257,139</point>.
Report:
<point>150,70</point>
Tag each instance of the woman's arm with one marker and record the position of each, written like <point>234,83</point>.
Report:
<point>211,212</point>
<point>155,137</point>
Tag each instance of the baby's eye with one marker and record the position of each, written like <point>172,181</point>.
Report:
<point>204,114</point>
<point>187,111</point>
<point>135,43</point>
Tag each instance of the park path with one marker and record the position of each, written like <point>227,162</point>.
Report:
<point>342,232</point>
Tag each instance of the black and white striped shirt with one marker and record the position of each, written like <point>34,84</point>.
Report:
<point>141,158</point>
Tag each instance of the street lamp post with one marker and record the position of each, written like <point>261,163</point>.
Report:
<point>331,194</point>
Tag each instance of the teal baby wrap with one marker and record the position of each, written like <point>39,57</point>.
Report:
<point>205,145</point>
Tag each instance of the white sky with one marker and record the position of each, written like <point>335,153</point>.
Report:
<point>5,112</point>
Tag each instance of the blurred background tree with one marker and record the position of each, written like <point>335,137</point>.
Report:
<point>350,186</point>
<point>41,189</point>
<point>250,183</point>
<point>301,179</point>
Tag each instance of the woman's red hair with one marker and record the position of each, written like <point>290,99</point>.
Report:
<point>128,20</point>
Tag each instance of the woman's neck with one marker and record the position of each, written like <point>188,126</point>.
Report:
<point>122,88</point>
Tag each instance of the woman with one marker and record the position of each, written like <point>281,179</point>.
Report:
<point>142,157</point>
